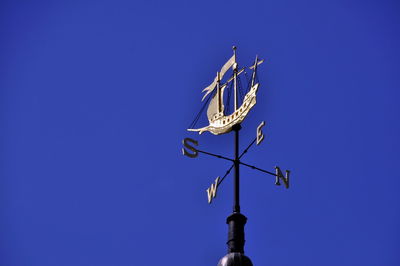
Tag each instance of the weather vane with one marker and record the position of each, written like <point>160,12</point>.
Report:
<point>220,122</point>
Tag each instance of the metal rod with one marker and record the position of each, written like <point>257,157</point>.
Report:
<point>216,155</point>
<point>236,206</point>
<point>219,94</point>
<point>254,71</point>
<point>227,173</point>
<point>230,168</point>
<point>248,147</point>
<point>245,164</point>
<point>256,168</point>
<point>235,79</point>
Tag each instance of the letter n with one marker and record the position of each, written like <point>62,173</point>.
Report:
<point>279,175</point>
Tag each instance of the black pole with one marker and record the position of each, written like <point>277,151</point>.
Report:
<point>236,206</point>
<point>236,220</point>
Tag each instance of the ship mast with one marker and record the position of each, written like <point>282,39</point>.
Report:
<point>219,93</point>
<point>253,78</point>
<point>235,72</point>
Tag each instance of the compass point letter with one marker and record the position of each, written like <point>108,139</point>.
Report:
<point>260,135</point>
<point>189,147</point>
<point>279,175</point>
<point>212,190</point>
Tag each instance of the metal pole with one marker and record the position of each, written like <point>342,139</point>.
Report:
<point>235,79</point>
<point>236,207</point>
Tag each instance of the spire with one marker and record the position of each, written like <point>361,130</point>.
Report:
<point>235,256</point>
<point>236,222</point>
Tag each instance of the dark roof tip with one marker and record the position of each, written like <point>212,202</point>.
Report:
<point>235,259</point>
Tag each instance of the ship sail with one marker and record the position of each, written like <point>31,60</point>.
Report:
<point>213,107</point>
<point>224,69</point>
<point>227,66</point>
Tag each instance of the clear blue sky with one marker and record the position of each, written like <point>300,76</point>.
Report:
<point>96,97</point>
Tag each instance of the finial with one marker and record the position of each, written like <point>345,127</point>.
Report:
<point>234,48</point>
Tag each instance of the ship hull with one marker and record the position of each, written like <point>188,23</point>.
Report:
<point>220,124</point>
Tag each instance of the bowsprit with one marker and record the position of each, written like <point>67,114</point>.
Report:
<point>222,121</point>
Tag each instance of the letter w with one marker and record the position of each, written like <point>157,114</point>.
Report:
<point>212,190</point>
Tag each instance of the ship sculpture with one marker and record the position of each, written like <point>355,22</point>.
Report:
<point>219,122</point>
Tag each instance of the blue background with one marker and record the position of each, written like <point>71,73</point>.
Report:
<point>96,97</point>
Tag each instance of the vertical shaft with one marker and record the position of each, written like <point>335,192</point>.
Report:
<point>219,94</point>
<point>236,220</point>
<point>234,68</point>
<point>235,88</point>
<point>236,207</point>
<point>253,77</point>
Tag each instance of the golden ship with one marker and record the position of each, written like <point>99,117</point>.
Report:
<point>219,122</point>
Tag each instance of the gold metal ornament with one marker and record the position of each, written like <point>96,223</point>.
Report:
<point>219,122</point>
<point>260,135</point>
<point>212,190</point>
